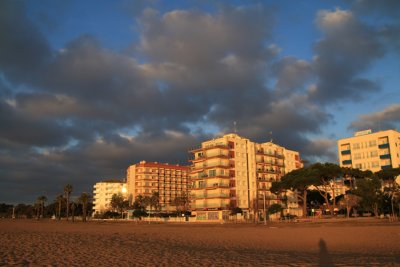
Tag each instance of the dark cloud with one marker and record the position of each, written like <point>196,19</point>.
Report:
<point>20,128</point>
<point>23,48</point>
<point>389,118</point>
<point>347,50</point>
<point>386,14</point>
<point>380,8</point>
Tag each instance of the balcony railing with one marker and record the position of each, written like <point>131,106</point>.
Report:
<point>267,171</point>
<point>211,185</point>
<point>385,145</point>
<point>346,162</point>
<point>273,154</point>
<point>345,152</point>
<point>386,167</point>
<point>213,195</point>
<point>384,156</point>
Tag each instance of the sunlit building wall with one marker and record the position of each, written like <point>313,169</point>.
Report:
<point>170,181</point>
<point>233,171</point>
<point>370,151</point>
<point>103,192</point>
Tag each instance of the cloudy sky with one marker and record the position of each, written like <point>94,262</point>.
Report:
<point>89,87</point>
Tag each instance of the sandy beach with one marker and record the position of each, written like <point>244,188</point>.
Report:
<point>102,243</point>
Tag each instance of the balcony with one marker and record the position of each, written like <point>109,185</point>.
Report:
<point>199,175</point>
<point>386,167</point>
<point>385,145</point>
<point>211,195</point>
<point>347,162</point>
<point>216,164</point>
<point>266,171</point>
<point>273,154</point>
<point>346,152</point>
<point>217,185</point>
<point>219,176</point>
<point>384,156</point>
<point>210,186</point>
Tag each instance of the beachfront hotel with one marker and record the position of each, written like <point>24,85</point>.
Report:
<point>103,192</point>
<point>146,178</point>
<point>232,171</point>
<point>367,150</point>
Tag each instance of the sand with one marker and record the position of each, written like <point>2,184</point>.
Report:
<point>62,243</point>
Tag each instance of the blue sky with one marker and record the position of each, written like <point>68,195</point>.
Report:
<point>89,87</point>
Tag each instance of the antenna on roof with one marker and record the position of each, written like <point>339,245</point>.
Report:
<point>234,127</point>
<point>270,134</point>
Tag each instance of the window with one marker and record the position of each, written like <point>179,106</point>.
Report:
<point>356,146</point>
<point>372,143</point>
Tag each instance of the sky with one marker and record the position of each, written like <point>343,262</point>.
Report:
<point>88,88</point>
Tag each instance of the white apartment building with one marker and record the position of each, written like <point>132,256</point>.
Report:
<point>370,151</point>
<point>103,192</point>
<point>233,171</point>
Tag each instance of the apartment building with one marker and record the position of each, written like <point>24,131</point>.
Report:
<point>233,171</point>
<point>103,192</point>
<point>367,150</point>
<point>170,181</point>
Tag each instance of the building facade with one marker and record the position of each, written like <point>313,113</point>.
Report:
<point>170,181</point>
<point>370,151</point>
<point>103,192</point>
<point>233,171</point>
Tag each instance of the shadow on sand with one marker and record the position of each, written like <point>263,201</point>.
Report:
<point>324,257</point>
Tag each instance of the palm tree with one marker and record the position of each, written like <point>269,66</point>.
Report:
<point>59,200</point>
<point>73,210</point>
<point>84,200</point>
<point>67,192</point>
<point>41,200</point>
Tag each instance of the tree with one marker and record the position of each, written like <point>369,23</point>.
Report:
<point>352,175</point>
<point>6,210</point>
<point>146,202</point>
<point>155,201</point>
<point>297,180</point>
<point>59,200</point>
<point>67,192</point>
<point>118,203</point>
<point>139,207</point>
<point>84,200</point>
<point>40,201</point>
<point>274,208</point>
<point>234,211</point>
<point>388,176</point>
<point>369,190</point>
<point>324,175</point>
<point>350,201</point>
<point>181,202</point>
<point>73,206</point>
<point>24,211</point>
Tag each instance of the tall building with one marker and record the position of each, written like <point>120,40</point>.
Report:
<point>170,181</point>
<point>370,151</point>
<point>103,192</point>
<point>232,171</point>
